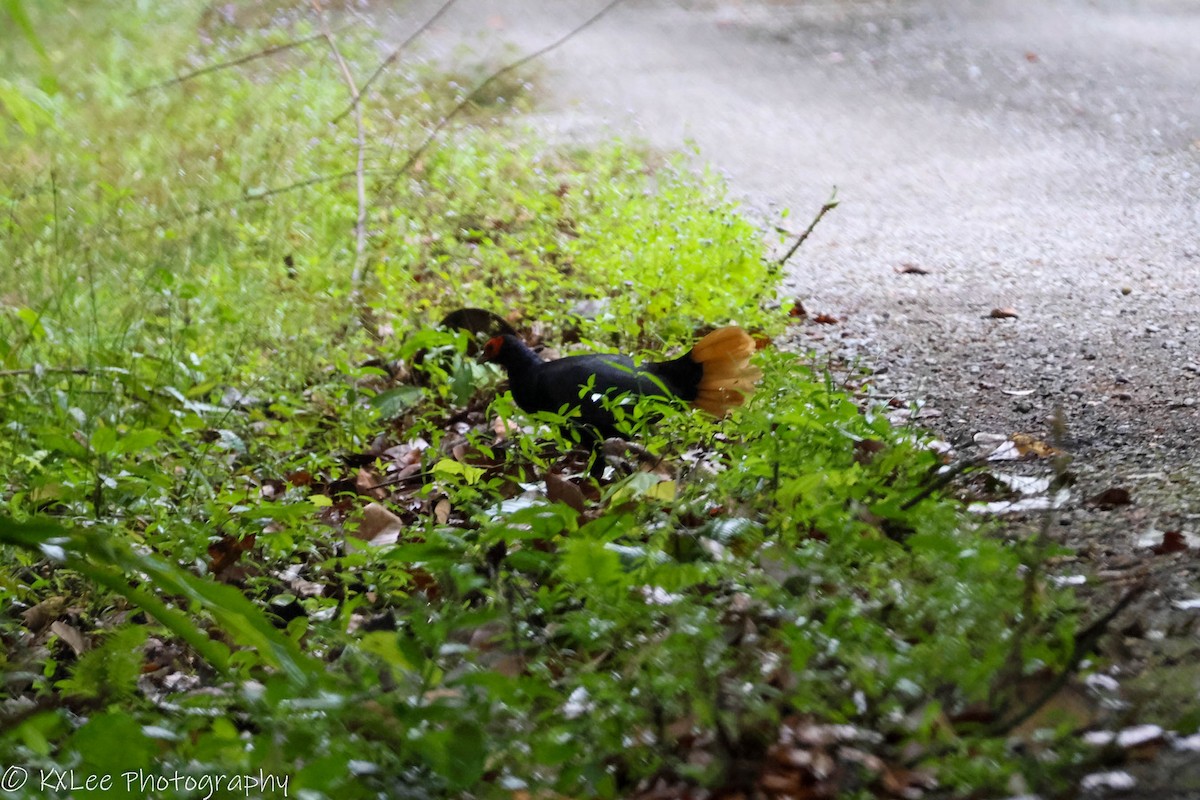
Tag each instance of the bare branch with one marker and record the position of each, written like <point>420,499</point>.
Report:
<point>454,112</point>
<point>249,196</point>
<point>1085,642</point>
<point>237,62</point>
<point>387,62</point>
<point>39,371</point>
<point>255,195</point>
<point>830,205</point>
<point>360,223</point>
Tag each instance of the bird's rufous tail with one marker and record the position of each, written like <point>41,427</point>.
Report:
<point>728,378</point>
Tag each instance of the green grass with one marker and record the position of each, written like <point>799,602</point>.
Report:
<point>184,369</point>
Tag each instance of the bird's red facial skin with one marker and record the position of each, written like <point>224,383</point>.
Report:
<point>491,350</point>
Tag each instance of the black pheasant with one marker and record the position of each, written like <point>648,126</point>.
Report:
<point>714,376</point>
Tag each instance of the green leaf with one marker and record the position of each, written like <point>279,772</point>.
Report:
<point>589,561</point>
<point>386,645</point>
<point>643,484</point>
<point>112,743</point>
<point>104,440</point>
<point>138,440</point>
<point>16,10</point>
<point>394,402</point>
<point>33,322</point>
<point>462,383</point>
<point>109,561</point>
<point>542,521</point>
<point>111,670</point>
<point>69,446</point>
<point>467,756</point>
<point>449,467</point>
<point>228,440</point>
<point>429,338</point>
<point>29,107</point>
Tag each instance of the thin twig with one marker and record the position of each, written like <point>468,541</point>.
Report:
<point>1085,642</point>
<point>943,477</point>
<point>387,62</point>
<point>39,371</point>
<point>830,205</point>
<point>520,62</point>
<point>237,62</point>
<point>253,196</point>
<point>360,223</point>
<point>248,196</point>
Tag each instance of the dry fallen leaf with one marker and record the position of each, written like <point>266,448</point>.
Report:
<point>72,637</point>
<point>907,783</point>
<point>504,428</point>
<point>300,478</point>
<point>1172,542</point>
<point>1029,446</point>
<point>1111,498</point>
<point>865,450</point>
<point>561,490</point>
<point>1003,313</point>
<point>441,511</point>
<point>39,616</point>
<point>379,526</point>
<point>797,310</point>
<point>367,483</point>
<point>911,269</point>
<point>826,319</point>
<point>226,552</point>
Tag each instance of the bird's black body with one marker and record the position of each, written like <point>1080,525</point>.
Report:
<point>580,381</point>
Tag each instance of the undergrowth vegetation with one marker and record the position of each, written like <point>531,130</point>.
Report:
<point>254,523</point>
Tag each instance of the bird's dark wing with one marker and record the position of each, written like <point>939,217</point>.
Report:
<point>581,381</point>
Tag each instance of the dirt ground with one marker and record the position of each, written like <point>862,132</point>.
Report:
<point>1042,158</point>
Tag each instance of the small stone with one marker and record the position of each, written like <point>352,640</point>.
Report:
<point>1117,781</point>
<point>1126,290</point>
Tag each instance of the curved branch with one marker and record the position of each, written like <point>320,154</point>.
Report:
<point>390,59</point>
<point>520,62</point>
<point>237,62</point>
